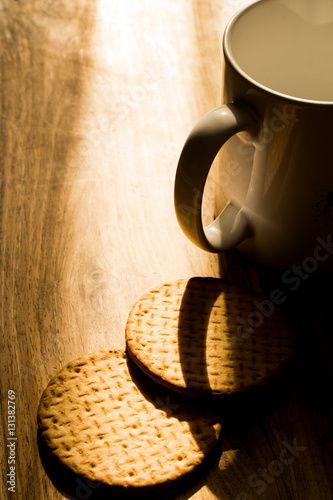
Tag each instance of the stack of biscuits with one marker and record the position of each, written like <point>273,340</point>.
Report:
<point>133,421</point>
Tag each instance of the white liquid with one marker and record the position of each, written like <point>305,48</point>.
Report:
<point>287,46</point>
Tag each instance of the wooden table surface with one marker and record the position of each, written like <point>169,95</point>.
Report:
<point>97,98</point>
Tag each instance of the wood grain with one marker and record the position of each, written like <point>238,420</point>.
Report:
<point>97,98</point>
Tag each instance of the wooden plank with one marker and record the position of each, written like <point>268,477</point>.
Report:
<point>97,98</point>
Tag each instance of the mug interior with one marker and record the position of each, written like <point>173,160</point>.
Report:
<point>285,46</point>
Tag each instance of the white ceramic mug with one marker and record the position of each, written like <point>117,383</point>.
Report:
<point>275,190</point>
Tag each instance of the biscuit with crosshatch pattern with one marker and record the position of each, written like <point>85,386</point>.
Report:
<point>204,336</point>
<point>101,417</point>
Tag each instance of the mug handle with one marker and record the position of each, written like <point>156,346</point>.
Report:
<point>202,145</point>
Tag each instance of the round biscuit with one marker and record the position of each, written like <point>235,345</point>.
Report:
<point>107,422</point>
<point>203,336</point>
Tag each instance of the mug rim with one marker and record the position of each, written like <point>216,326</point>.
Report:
<point>233,62</point>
